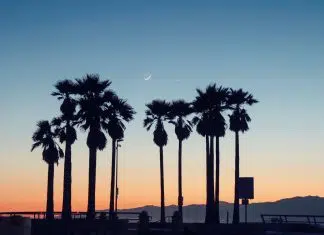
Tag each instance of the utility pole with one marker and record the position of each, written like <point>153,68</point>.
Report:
<point>117,189</point>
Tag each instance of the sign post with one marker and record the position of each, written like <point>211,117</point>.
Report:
<point>245,202</point>
<point>246,191</point>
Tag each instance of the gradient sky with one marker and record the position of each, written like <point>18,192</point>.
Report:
<point>274,49</point>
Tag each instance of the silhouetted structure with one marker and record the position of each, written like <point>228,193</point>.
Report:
<point>118,111</point>
<point>64,128</point>
<point>178,113</point>
<point>92,116</point>
<point>89,103</point>
<point>238,123</point>
<point>205,106</point>
<point>157,112</point>
<point>45,137</point>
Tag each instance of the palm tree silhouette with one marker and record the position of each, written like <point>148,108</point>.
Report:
<point>238,123</point>
<point>64,127</point>
<point>219,100</point>
<point>156,113</point>
<point>179,110</point>
<point>45,137</point>
<point>203,107</point>
<point>117,111</point>
<point>92,116</point>
<point>209,105</point>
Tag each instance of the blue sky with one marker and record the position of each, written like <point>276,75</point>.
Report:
<point>273,49</point>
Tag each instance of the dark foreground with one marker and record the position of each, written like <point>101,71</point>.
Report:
<point>98,227</point>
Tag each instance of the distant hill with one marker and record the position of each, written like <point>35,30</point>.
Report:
<point>310,205</point>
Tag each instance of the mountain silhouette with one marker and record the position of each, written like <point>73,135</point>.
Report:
<point>309,205</point>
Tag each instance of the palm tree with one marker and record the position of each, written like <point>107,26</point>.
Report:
<point>209,105</point>
<point>117,111</point>
<point>45,137</point>
<point>156,113</point>
<point>65,129</point>
<point>92,116</point>
<point>239,120</point>
<point>219,99</point>
<point>178,112</point>
<point>203,107</point>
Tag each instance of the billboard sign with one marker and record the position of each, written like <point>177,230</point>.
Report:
<point>246,187</point>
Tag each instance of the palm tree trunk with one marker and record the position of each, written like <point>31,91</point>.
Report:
<point>162,186</point>
<point>92,183</point>
<point>180,198</point>
<point>236,212</point>
<point>67,194</point>
<point>217,182</point>
<point>208,217</point>
<point>50,192</point>
<point>211,176</point>
<point>112,181</point>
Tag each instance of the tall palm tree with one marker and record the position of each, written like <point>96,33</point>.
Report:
<point>219,97</point>
<point>92,116</point>
<point>118,111</point>
<point>65,129</point>
<point>209,105</point>
<point>45,137</point>
<point>239,120</point>
<point>179,111</point>
<point>156,113</point>
<point>203,107</point>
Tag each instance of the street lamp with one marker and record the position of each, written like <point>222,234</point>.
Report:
<point>116,195</point>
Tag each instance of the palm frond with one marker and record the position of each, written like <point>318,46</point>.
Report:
<point>173,122</point>
<point>57,121</point>
<point>180,108</point>
<point>56,94</point>
<point>61,153</point>
<point>159,108</point>
<point>148,121</point>
<point>102,141</point>
<point>36,145</point>
<point>149,126</point>
<point>195,120</point>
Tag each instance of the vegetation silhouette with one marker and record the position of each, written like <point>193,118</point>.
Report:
<point>117,112</point>
<point>157,112</point>
<point>204,108</point>
<point>64,128</point>
<point>89,104</point>
<point>212,102</point>
<point>239,120</point>
<point>201,122</point>
<point>179,111</point>
<point>219,97</point>
<point>45,137</point>
<point>92,116</point>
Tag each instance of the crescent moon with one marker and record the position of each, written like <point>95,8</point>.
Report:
<point>147,77</point>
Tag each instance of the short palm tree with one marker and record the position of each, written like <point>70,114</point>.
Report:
<point>179,111</point>
<point>118,111</point>
<point>64,126</point>
<point>92,116</point>
<point>44,137</point>
<point>239,120</point>
<point>156,113</point>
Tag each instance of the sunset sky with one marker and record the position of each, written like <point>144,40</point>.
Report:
<point>274,49</point>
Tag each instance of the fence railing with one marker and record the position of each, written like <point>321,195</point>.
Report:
<point>293,219</point>
<point>130,216</point>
